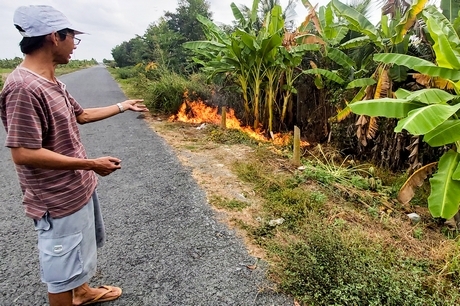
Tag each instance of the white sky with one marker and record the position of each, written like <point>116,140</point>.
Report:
<point>109,22</point>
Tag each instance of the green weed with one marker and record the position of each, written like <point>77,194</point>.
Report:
<point>330,262</point>
<point>328,269</point>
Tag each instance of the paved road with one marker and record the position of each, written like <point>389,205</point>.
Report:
<point>164,244</point>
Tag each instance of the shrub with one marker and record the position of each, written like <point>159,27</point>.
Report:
<point>167,93</point>
<point>327,270</point>
<point>126,73</point>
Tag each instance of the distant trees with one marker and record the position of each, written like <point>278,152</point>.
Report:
<point>129,52</point>
<point>162,41</point>
<point>10,63</point>
<point>13,63</point>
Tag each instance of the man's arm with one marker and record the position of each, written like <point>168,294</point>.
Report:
<point>100,113</point>
<point>46,159</point>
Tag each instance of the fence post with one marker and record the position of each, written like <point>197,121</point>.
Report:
<point>223,122</point>
<point>296,155</point>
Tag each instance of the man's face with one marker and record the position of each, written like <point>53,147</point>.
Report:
<point>64,48</point>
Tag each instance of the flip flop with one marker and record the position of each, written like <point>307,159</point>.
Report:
<point>100,298</point>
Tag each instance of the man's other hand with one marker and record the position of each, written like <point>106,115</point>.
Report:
<point>106,165</point>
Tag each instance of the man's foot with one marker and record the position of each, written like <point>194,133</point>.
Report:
<point>85,295</point>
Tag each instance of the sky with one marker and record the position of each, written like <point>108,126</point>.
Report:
<point>108,22</point>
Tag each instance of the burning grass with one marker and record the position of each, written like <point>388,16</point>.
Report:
<point>198,112</point>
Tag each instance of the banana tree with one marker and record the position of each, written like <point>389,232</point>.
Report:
<point>391,35</point>
<point>271,64</point>
<point>291,58</point>
<point>244,53</point>
<point>430,113</point>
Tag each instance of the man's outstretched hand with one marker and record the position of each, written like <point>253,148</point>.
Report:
<point>135,105</point>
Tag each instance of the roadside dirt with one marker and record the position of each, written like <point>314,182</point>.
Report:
<point>210,164</point>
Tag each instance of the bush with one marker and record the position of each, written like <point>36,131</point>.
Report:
<point>327,270</point>
<point>167,93</point>
<point>126,73</point>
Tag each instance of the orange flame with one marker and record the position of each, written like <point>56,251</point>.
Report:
<point>198,112</point>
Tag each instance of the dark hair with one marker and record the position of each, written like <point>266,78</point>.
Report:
<point>30,44</point>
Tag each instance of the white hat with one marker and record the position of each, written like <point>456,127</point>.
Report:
<point>39,20</point>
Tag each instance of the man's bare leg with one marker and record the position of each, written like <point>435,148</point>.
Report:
<point>60,299</point>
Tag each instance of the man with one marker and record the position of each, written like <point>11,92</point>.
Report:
<point>57,179</point>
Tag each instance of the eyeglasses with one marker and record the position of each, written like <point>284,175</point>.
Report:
<point>76,41</point>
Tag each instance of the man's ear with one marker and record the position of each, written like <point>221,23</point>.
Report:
<point>53,38</point>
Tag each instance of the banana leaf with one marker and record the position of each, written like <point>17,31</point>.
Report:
<point>447,133</point>
<point>217,32</point>
<point>445,192</point>
<point>205,44</point>
<point>386,107</point>
<point>326,73</point>
<point>446,55</point>
<point>355,42</point>
<point>340,58</point>
<point>344,113</point>
<point>305,47</point>
<point>402,93</point>
<point>357,20</point>
<point>409,20</point>
<point>398,73</point>
<point>276,20</point>
<point>254,10</point>
<point>425,119</point>
<point>333,32</point>
<point>361,83</point>
<point>384,26</point>
<point>401,59</point>
<point>450,9</point>
<point>456,175</point>
<point>444,23</point>
<point>431,96</point>
<point>248,40</point>
<point>269,45</point>
<point>337,33</point>
<point>445,73</point>
<point>323,20</point>
<point>237,13</point>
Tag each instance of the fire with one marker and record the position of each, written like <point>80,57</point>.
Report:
<point>198,112</point>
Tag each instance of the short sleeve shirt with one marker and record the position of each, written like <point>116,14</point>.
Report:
<point>37,113</point>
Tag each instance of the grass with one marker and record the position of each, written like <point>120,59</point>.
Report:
<point>338,245</point>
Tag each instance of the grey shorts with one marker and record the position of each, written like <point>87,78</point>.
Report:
<point>68,247</point>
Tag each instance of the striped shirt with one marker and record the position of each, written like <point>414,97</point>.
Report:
<point>37,113</point>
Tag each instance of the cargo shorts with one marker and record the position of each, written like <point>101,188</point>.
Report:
<point>68,247</point>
